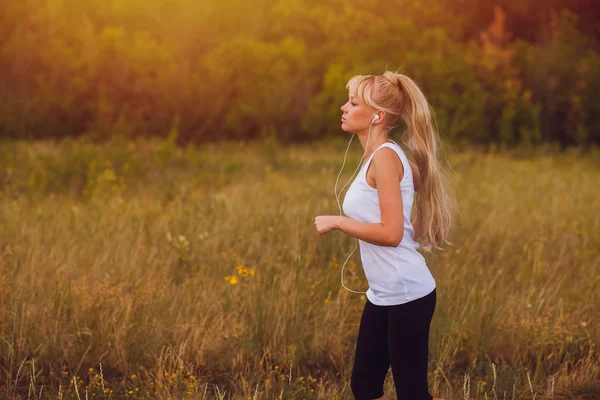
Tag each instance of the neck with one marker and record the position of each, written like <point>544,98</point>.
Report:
<point>377,138</point>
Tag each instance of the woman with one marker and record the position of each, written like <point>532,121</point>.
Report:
<point>394,328</point>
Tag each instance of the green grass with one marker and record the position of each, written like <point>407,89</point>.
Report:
<point>120,256</point>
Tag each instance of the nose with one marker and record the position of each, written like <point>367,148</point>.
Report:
<point>342,108</point>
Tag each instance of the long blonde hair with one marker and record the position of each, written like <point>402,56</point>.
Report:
<point>402,100</point>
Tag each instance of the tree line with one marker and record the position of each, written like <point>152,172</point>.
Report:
<point>208,70</point>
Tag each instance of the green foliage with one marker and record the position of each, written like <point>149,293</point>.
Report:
<point>564,79</point>
<point>261,86</point>
<point>280,67</point>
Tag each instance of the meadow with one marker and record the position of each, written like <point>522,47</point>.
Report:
<point>140,269</point>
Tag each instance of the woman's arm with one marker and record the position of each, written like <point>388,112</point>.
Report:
<point>374,233</point>
<point>387,170</point>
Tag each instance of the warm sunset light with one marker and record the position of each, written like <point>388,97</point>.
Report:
<point>299,199</point>
<point>517,73</point>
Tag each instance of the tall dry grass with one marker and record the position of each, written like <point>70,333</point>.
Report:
<point>198,273</point>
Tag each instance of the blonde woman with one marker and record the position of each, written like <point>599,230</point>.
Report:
<point>394,328</point>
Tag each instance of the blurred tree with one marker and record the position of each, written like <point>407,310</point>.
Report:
<point>528,20</point>
<point>245,70</point>
<point>564,78</point>
<point>258,88</point>
<point>511,116</point>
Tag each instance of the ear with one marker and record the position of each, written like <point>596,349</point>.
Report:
<point>381,114</point>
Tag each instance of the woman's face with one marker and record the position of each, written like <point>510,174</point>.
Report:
<point>356,116</point>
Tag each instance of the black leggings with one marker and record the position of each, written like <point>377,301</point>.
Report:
<point>396,335</point>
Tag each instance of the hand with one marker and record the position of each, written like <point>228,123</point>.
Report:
<point>327,223</point>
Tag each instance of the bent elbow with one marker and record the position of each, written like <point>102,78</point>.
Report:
<point>396,240</point>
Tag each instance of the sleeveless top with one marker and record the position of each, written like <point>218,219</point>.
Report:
<point>396,275</point>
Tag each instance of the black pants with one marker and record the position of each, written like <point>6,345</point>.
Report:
<point>396,335</point>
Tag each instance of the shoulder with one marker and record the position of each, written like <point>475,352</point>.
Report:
<point>386,161</point>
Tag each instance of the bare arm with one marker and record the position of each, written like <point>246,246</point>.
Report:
<point>387,168</point>
<point>374,233</point>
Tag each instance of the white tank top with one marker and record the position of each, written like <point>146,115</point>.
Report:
<point>396,275</point>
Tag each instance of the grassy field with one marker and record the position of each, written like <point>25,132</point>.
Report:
<point>143,270</point>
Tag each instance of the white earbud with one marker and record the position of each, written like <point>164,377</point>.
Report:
<point>375,118</point>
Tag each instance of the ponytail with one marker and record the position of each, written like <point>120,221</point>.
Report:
<point>400,97</point>
<point>434,201</point>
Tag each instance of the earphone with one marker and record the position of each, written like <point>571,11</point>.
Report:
<point>375,118</point>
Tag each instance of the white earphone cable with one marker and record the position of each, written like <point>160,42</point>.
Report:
<point>342,189</point>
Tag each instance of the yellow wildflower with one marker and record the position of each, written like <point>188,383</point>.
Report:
<point>244,271</point>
